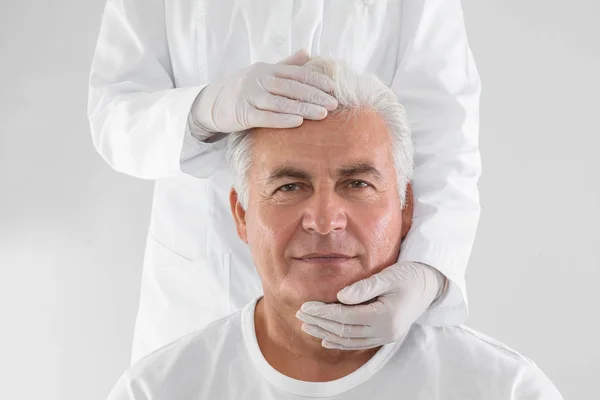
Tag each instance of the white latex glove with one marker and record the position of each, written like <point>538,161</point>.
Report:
<point>265,95</point>
<point>403,291</point>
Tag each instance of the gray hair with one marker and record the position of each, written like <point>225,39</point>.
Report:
<point>353,92</point>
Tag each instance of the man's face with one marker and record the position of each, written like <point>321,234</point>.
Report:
<point>323,206</point>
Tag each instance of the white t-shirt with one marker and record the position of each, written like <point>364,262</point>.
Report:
<point>223,361</point>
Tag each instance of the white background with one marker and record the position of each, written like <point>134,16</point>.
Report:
<point>72,230</point>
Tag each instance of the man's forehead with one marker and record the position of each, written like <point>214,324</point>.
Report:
<point>335,147</point>
<point>347,128</point>
<point>301,171</point>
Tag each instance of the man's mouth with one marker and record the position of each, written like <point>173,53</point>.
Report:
<point>324,258</point>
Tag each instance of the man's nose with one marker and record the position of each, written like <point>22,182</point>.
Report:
<point>325,213</point>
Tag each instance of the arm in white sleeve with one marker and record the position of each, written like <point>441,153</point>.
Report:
<point>534,384</point>
<point>138,119</point>
<point>437,82</point>
<point>127,389</point>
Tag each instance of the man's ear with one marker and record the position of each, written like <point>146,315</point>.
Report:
<point>239,215</point>
<point>407,211</point>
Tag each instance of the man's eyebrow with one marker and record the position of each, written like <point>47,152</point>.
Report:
<point>287,172</point>
<point>359,168</point>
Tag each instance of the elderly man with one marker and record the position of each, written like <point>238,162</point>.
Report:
<point>318,206</point>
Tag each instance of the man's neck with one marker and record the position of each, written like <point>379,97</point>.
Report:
<point>297,354</point>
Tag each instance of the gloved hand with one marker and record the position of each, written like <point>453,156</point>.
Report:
<point>265,95</point>
<point>403,292</point>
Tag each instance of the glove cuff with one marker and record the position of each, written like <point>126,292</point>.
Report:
<point>200,116</point>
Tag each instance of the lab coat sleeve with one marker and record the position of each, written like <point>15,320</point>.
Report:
<point>138,118</point>
<point>533,384</point>
<point>127,389</point>
<point>437,82</point>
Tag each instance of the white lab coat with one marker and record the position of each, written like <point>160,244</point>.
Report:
<point>154,56</point>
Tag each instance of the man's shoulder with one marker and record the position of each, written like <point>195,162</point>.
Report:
<point>186,365</point>
<point>477,340</point>
<point>467,345</point>
<point>503,372</point>
<point>200,347</point>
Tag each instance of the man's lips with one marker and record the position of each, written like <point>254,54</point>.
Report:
<point>324,258</point>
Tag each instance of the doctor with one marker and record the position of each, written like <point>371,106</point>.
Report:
<point>171,78</point>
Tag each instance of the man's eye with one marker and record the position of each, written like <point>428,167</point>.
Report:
<point>358,184</point>
<point>290,187</point>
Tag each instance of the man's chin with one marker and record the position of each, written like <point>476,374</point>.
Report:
<point>322,296</point>
<point>328,297</point>
<point>322,288</point>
